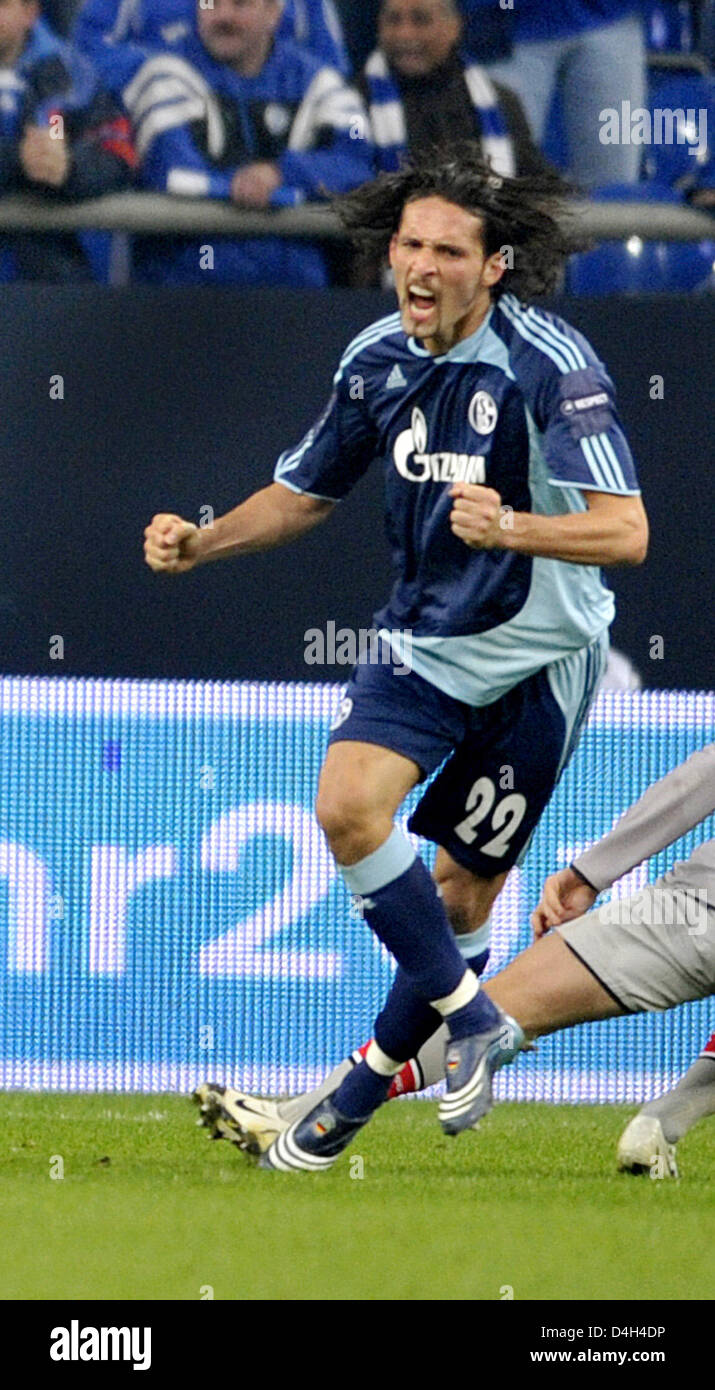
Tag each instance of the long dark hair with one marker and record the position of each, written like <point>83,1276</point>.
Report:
<point>527,214</point>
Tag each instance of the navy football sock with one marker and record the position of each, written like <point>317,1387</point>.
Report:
<point>460,1027</point>
<point>401,905</point>
<point>476,1017</point>
<point>402,1028</point>
<point>362,1091</point>
<point>406,1020</point>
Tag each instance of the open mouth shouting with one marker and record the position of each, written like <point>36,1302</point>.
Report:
<point>422,303</point>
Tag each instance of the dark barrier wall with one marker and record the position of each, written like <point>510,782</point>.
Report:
<point>182,400</point>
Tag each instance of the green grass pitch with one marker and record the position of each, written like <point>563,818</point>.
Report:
<point>149,1208</point>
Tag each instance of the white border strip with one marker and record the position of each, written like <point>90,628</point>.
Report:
<point>557,1086</point>
<point>45,696</point>
<point>660,709</point>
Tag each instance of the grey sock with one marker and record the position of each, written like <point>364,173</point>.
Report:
<point>430,1058</point>
<point>298,1106</point>
<point>691,1100</point>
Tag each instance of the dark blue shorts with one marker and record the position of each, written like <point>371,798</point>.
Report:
<point>498,764</point>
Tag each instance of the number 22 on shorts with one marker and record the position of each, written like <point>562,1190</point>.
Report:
<point>505,820</point>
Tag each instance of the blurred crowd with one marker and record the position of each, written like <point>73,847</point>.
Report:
<point>277,103</point>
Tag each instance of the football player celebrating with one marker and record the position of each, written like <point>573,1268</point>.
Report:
<point>509,482</point>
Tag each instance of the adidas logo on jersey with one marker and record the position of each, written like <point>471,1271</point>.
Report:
<point>395,379</point>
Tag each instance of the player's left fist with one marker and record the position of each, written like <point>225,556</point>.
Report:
<point>476,516</point>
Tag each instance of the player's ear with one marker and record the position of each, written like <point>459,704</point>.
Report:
<point>392,249</point>
<point>493,270</point>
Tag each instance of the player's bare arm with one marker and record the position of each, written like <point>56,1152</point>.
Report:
<point>614,530</point>
<point>269,518</point>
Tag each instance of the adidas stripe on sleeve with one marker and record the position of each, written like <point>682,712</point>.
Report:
<point>572,399</point>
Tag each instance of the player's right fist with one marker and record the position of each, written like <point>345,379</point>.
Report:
<point>171,545</point>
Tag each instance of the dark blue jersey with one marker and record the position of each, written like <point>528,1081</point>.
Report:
<point>198,121</point>
<point>524,406</point>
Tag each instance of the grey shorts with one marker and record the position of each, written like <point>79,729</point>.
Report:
<point>651,951</point>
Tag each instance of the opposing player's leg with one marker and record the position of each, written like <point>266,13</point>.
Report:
<point>691,1100</point>
<point>547,987</point>
<point>644,950</point>
<point>634,956</point>
<point>648,1142</point>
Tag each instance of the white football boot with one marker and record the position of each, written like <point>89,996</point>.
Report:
<point>246,1121</point>
<point>643,1148</point>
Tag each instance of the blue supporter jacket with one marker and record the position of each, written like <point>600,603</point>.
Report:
<point>49,78</point>
<point>119,35</point>
<point>197,122</point>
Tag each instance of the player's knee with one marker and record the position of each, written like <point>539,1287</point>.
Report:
<point>347,818</point>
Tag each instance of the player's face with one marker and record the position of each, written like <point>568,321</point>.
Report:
<point>239,32</point>
<point>16,20</point>
<point>442,276</point>
<point>417,35</point>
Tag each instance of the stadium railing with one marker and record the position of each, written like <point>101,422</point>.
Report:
<point>149,214</point>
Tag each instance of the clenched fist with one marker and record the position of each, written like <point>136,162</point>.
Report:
<point>476,516</point>
<point>171,545</point>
